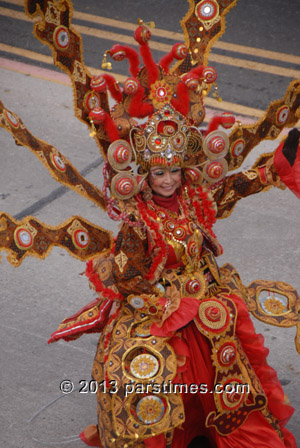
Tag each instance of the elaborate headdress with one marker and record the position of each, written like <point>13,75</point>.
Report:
<point>171,102</point>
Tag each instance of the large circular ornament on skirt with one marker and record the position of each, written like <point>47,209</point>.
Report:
<point>216,145</point>
<point>215,170</point>
<point>214,316</point>
<point>61,37</point>
<point>227,354</point>
<point>196,286</point>
<point>119,154</point>
<point>144,366</point>
<point>150,409</point>
<point>234,393</point>
<point>123,186</point>
<point>207,10</point>
<point>23,238</point>
<point>238,147</point>
<point>282,115</point>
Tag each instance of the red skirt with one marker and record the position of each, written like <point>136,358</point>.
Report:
<point>198,369</point>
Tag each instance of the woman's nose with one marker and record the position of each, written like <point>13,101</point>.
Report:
<point>168,177</point>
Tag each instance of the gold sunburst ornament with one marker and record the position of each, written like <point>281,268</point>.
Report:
<point>150,409</point>
<point>144,366</point>
<point>274,306</point>
<point>160,93</point>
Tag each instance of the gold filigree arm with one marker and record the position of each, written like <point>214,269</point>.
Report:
<point>279,115</point>
<point>54,29</point>
<point>203,24</point>
<point>57,165</point>
<point>30,236</point>
<point>275,303</point>
<point>235,187</point>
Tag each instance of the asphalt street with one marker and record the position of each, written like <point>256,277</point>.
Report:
<point>261,238</point>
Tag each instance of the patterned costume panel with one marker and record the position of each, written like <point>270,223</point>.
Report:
<point>57,165</point>
<point>280,114</point>
<point>32,237</point>
<point>54,29</point>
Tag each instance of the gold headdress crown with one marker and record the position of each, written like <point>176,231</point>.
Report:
<point>165,140</point>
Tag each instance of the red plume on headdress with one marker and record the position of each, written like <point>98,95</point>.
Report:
<point>150,88</point>
<point>179,51</point>
<point>98,116</point>
<point>226,120</point>
<point>119,52</point>
<point>181,102</point>
<point>142,35</point>
<point>106,81</point>
<point>137,107</point>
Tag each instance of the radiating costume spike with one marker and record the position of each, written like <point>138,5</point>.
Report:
<point>119,52</point>
<point>31,237</point>
<point>207,27</point>
<point>54,29</point>
<point>57,165</point>
<point>279,115</point>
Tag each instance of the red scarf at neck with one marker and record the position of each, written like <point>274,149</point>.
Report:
<point>170,203</point>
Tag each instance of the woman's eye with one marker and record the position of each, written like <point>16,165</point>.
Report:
<point>175,170</point>
<point>158,173</point>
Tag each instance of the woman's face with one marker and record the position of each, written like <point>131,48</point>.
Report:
<point>164,181</point>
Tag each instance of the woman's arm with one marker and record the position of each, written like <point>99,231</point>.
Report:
<point>132,261</point>
<point>245,183</point>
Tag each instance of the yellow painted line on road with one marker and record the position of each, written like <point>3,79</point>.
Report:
<point>115,37</point>
<point>251,51</point>
<point>259,52</point>
<point>237,109</point>
<point>26,54</point>
<point>257,66</point>
<point>48,59</point>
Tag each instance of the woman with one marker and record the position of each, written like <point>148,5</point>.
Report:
<point>178,356</point>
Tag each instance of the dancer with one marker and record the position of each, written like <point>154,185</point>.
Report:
<point>178,356</point>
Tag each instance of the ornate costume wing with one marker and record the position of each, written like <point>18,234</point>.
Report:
<point>54,29</point>
<point>203,25</point>
<point>30,236</point>
<point>57,165</point>
<point>279,115</point>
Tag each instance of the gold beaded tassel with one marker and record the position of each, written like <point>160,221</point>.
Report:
<point>106,65</point>
<point>216,92</point>
<point>94,130</point>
